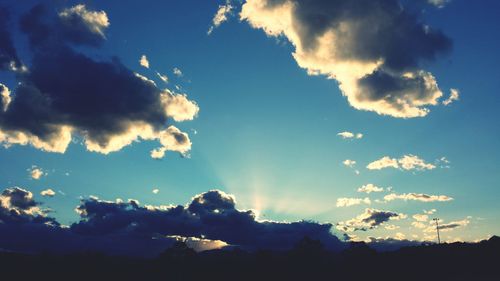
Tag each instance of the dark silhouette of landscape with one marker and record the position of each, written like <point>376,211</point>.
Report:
<point>308,260</point>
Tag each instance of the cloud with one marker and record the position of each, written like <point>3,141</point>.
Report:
<point>454,96</point>
<point>417,197</point>
<point>221,16</point>
<point>5,97</point>
<point>212,214</point>
<point>349,135</point>
<point>369,188</point>
<point>177,72</point>
<point>144,61</point>
<point>67,94</point>
<point>155,190</point>
<point>83,26</point>
<point>18,206</point>
<point>369,219</point>
<point>349,163</point>
<point>407,162</point>
<point>444,227</point>
<point>163,77</point>
<point>421,217</point>
<point>347,202</point>
<point>48,192</point>
<point>438,3</point>
<point>373,48</point>
<point>36,173</point>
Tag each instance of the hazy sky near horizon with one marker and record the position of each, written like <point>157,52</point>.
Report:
<point>299,112</point>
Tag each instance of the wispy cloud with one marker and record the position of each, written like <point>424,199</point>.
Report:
<point>347,202</point>
<point>223,13</point>
<point>417,197</point>
<point>350,135</point>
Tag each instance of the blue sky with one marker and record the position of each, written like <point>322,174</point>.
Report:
<point>267,132</point>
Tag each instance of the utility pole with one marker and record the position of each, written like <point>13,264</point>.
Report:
<point>437,229</point>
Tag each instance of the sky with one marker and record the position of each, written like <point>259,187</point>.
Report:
<point>371,117</point>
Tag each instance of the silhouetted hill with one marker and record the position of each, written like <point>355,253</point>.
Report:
<point>308,260</point>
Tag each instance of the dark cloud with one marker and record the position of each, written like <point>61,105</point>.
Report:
<point>369,219</point>
<point>18,206</point>
<point>67,93</point>
<point>209,221</point>
<point>212,215</point>
<point>8,54</point>
<point>373,48</point>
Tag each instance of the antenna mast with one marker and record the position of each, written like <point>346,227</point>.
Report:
<point>437,229</point>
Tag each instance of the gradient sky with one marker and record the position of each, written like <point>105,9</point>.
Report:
<point>267,132</point>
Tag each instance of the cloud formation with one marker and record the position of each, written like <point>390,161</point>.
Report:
<point>18,206</point>
<point>349,135</point>
<point>369,219</point>
<point>349,163</point>
<point>36,173</point>
<point>417,197</point>
<point>373,48</point>
<point>222,15</point>
<point>143,61</point>
<point>347,202</point>
<point>438,3</point>
<point>210,220</point>
<point>369,188</point>
<point>454,96</point>
<point>212,214</point>
<point>48,192</point>
<point>407,162</point>
<point>67,94</point>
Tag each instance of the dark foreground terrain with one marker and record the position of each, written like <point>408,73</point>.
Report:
<point>307,261</point>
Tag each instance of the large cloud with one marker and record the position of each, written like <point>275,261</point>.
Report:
<point>212,215</point>
<point>210,220</point>
<point>66,93</point>
<point>373,48</point>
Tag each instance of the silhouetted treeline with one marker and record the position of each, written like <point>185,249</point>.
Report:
<point>307,261</point>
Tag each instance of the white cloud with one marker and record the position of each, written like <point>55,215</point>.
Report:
<point>382,163</point>
<point>163,77</point>
<point>350,135</point>
<point>155,190</point>
<point>407,162</point>
<point>438,3</point>
<point>221,16</point>
<point>417,197</point>
<point>174,140</point>
<point>349,163</point>
<point>96,21</point>
<point>343,42</point>
<point>418,224</point>
<point>48,192</point>
<point>177,72</point>
<point>391,227</point>
<point>36,173</point>
<point>368,188</point>
<point>421,217</point>
<point>178,106</point>
<point>144,61</point>
<point>454,96</point>
<point>5,98</point>
<point>347,202</point>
